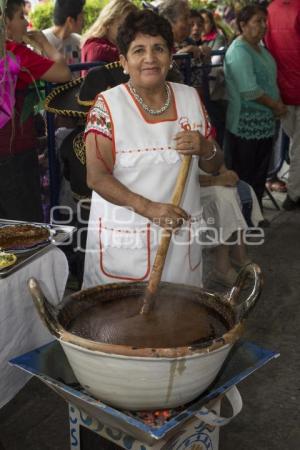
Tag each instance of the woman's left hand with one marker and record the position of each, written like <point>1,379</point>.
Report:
<point>192,143</point>
<point>226,179</point>
<point>205,51</point>
<point>193,49</point>
<point>229,178</point>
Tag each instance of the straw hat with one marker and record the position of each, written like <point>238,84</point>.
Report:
<point>75,98</point>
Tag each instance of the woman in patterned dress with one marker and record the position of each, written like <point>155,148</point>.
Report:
<point>253,100</point>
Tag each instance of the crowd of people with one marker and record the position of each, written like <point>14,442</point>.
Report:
<point>138,132</point>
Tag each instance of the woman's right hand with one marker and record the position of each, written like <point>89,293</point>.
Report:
<point>166,215</point>
<point>279,109</point>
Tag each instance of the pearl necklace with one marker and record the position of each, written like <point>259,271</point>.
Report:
<point>153,112</point>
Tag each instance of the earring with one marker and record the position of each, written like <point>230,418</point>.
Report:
<point>171,66</point>
<point>125,72</point>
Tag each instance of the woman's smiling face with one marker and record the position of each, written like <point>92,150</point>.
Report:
<point>147,61</point>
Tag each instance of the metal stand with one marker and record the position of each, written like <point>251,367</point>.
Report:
<point>193,434</point>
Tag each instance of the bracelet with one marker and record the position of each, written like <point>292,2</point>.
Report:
<point>208,158</point>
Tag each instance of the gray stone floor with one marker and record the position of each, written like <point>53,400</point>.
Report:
<point>271,412</point>
<point>37,419</point>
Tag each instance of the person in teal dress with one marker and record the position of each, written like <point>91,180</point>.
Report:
<point>254,102</point>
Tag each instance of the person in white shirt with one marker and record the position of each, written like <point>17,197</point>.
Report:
<point>64,35</point>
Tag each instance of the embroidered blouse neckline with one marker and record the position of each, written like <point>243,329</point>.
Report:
<point>142,113</point>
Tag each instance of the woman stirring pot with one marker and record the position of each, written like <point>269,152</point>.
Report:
<point>136,136</point>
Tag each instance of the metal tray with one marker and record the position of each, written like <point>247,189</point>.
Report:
<point>59,235</point>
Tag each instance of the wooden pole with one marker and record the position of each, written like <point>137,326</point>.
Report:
<point>162,250</point>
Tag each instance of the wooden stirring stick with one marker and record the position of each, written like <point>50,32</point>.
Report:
<point>160,258</point>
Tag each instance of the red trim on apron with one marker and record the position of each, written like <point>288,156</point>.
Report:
<point>119,277</point>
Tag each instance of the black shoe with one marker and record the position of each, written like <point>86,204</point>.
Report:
<point>290,204</point>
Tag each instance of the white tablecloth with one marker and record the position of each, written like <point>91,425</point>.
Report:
<point>21,329</point>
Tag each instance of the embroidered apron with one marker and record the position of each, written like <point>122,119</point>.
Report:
<point>121,245</point>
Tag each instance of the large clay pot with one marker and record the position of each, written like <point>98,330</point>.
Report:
<point>136,378</point>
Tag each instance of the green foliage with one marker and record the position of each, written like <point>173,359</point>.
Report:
<point>91,11</point>
<point>42,16</point>
<point>2,5</point>
<point>34,100</point>
<point>207,4</point>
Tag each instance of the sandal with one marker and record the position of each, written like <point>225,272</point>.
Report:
<point>278,186</point>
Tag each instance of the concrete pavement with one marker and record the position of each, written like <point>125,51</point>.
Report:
<point>37,418</point>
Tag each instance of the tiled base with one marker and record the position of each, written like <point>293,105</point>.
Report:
<point>193,435</point>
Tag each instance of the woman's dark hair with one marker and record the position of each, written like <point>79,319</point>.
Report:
<point>195,13</point>
<point>210,18</point>
<point>246,13</point>
<point>144,22</point>
<point>66,8</point>
<point>11,7</point>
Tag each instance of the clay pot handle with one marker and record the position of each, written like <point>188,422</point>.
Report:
<point>44,308</point>
<point>162,250</point>
<point>243,308</point>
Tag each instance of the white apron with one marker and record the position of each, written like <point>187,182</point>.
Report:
<point>121,245</point>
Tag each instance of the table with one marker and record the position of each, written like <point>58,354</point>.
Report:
<point>21,329</point>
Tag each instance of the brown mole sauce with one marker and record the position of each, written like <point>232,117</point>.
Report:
<point>172,322</point>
